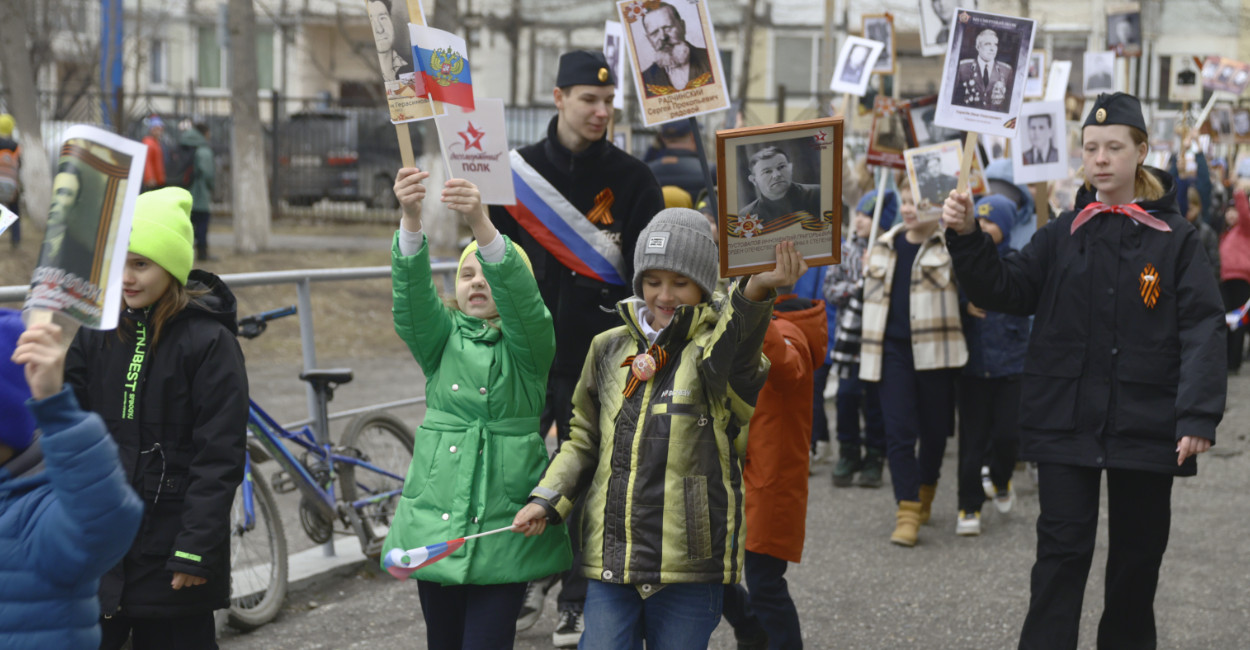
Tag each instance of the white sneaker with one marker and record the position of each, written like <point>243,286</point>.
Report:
<point>1005,498</point>
<point>969,524</point>
<point>987,485</point>
<point>532,606</point>
<point>823,454</point>
<point>569,632</point>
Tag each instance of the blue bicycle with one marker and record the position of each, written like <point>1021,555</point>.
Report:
<point>367,466</point>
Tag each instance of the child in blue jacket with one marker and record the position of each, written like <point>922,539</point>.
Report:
<point>66,513</point>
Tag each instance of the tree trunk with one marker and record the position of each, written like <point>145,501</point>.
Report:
<point>247,157</point>
<point>19,78</point>
<point>748,42</point>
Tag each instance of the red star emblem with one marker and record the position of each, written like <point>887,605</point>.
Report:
<point>472,137</point>
<point>820,136</point>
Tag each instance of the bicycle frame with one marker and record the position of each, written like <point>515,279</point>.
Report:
<point>269,433</point>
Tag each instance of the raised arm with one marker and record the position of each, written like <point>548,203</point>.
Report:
<point>1010,285</point>
<point>421,319</point>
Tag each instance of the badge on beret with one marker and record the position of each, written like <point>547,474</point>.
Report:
<point>1101,115</point>
<point>603,75</point>
<point>643,367</point>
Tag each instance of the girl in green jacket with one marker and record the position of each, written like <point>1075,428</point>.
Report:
<point>485,355</point>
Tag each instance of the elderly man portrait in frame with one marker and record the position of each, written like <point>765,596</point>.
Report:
<point>984,82</point>
<point>854,69</point>
<point>1042,148</point>
<point>934,185</point>
<point>678,64</point>
<point>777,195</point>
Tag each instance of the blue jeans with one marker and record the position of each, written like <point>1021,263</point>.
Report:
<point>922,408</point>
<point>679,616</point>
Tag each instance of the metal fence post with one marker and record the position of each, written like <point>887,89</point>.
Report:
<point>321,426</point>
<point>275,181</point>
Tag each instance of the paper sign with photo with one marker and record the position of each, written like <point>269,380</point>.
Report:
<point>674,59</point>
<point>1099,73</point>
<point>1039,152</point>
<point>983,78</point>
<point>880,28</point>
<point>1124,29</point>
<point>7,218</point>
<point>1184,79</point>
<point>406,96</point>
<point>1241,125</point>
<point>933,172</point>
<point>477,149</point>
<point>1035,80</point>
<point>1057,81</point>
<point>935,24</point>
<point>890,135</point>
<point>79,272</point>
<point>1220,123</point>
<point>1220,73</point>
<point>854,67</point>
<point>614,53</point>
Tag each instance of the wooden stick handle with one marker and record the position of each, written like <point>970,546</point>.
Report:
<point>1042,190</point>
<point>876,208</point>
<point>405,145</point>
<point>965,164</point>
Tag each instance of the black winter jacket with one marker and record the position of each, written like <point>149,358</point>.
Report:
<point>178,412</point>
<point>1109,380</point>
<point>580,306</point>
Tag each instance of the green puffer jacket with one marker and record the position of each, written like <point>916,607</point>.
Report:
<point>478,452</point>
<point>661,471</point>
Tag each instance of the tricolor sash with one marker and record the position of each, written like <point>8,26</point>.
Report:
<point>561,228</point>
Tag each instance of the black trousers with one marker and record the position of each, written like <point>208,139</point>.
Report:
<point>195,632</point>
<point>1235,293</point>
<point>989,416</point>
<point>918,406</point>
<point>559,411</point>
<point>472,617</point>
<point>199,226</point>
<point>1139,517</point>
<point>767,605</point>
<point>820,422</point>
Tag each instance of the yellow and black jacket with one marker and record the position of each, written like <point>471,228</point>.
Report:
<point>661,470</point>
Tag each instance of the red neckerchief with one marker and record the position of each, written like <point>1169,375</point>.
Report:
<point>1130,210</point>
<point>642,373</point>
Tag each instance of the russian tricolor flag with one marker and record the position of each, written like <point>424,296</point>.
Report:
<point>441,58</point>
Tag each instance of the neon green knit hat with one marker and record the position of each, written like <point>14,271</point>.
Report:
<point>161,230</point>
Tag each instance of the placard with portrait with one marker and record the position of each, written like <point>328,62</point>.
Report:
<point>984,76</point>
<point>1040,150</point>
<point>674,58</point>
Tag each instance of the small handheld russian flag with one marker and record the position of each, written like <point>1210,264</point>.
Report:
<point>401,564</point>
<point>1238,317</point>
<point>443,65</point>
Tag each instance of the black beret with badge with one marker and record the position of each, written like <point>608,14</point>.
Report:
<point>584,68</point>
<point>1116,108</point>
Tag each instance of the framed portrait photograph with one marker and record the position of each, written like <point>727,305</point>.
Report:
<point>1184,79</point>
<point>890,135</point>
<point>675,62</point>
<point>1163,130</point>
<point>924,132</point>
<point>935,24</point>
<point>854,68</point>
<point>1099,73</point>
<point>983,78</point>
<point>1241,125</point>
<point>880,28</point>
<point>1220,123</point>
<point>779,182</point>
<point>1124,29</point>
<point>1040,152</point>
<point>933,172</point>
<point>1229,75</point>
<point>1035,79</point>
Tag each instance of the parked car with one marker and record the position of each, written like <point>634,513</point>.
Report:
<point>340,155</point>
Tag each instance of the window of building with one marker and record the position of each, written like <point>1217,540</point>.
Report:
<point>158,63</point>
<point>213,64</point>
<point>794,64</point>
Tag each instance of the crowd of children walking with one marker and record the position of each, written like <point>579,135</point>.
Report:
<point>689,427</point>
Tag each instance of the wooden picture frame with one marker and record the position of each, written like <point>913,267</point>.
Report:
<point>880,28</point>
<point>801,162</point>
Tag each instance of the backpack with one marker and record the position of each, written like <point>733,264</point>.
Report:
<point>180,171</point>
<point>10,184</point>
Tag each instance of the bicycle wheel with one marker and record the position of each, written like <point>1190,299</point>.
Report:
<point>258,560</point>
<point>385,442</point>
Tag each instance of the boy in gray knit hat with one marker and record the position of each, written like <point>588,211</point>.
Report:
<point>657,439</point>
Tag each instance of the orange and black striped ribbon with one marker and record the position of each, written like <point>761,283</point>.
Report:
<point>634,382</point>
<point>1149,286</point>
<point>809,221</point>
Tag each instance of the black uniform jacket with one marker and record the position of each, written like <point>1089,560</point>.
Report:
<point>1115,374</point>
<point>580,306</point>
<point>181,446</point>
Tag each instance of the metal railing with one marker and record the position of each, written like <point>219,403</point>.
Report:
<point>303,279</point>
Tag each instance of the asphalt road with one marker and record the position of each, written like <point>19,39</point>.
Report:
<point>853,589</point>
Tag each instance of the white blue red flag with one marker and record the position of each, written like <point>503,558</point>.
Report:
<point>442,59</point>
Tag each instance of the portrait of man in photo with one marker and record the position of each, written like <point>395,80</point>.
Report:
<point>678,64</point>
<point>777,195</point>
<point>934,185</point>
<point>984,82</point>
<point>1099,77</point>
<point>854,68</point>
<point>395,61</point>
<point>1123,33</point>
<point>880,29</point>
<point>1041,141</point>
<point>942,9</point>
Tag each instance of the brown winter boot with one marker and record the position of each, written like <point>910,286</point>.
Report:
<point>908,521</point>
<point>927,492</point>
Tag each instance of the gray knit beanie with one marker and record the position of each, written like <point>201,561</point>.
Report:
<point>678,240</point>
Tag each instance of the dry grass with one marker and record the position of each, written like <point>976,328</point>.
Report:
<point>351,319</point>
